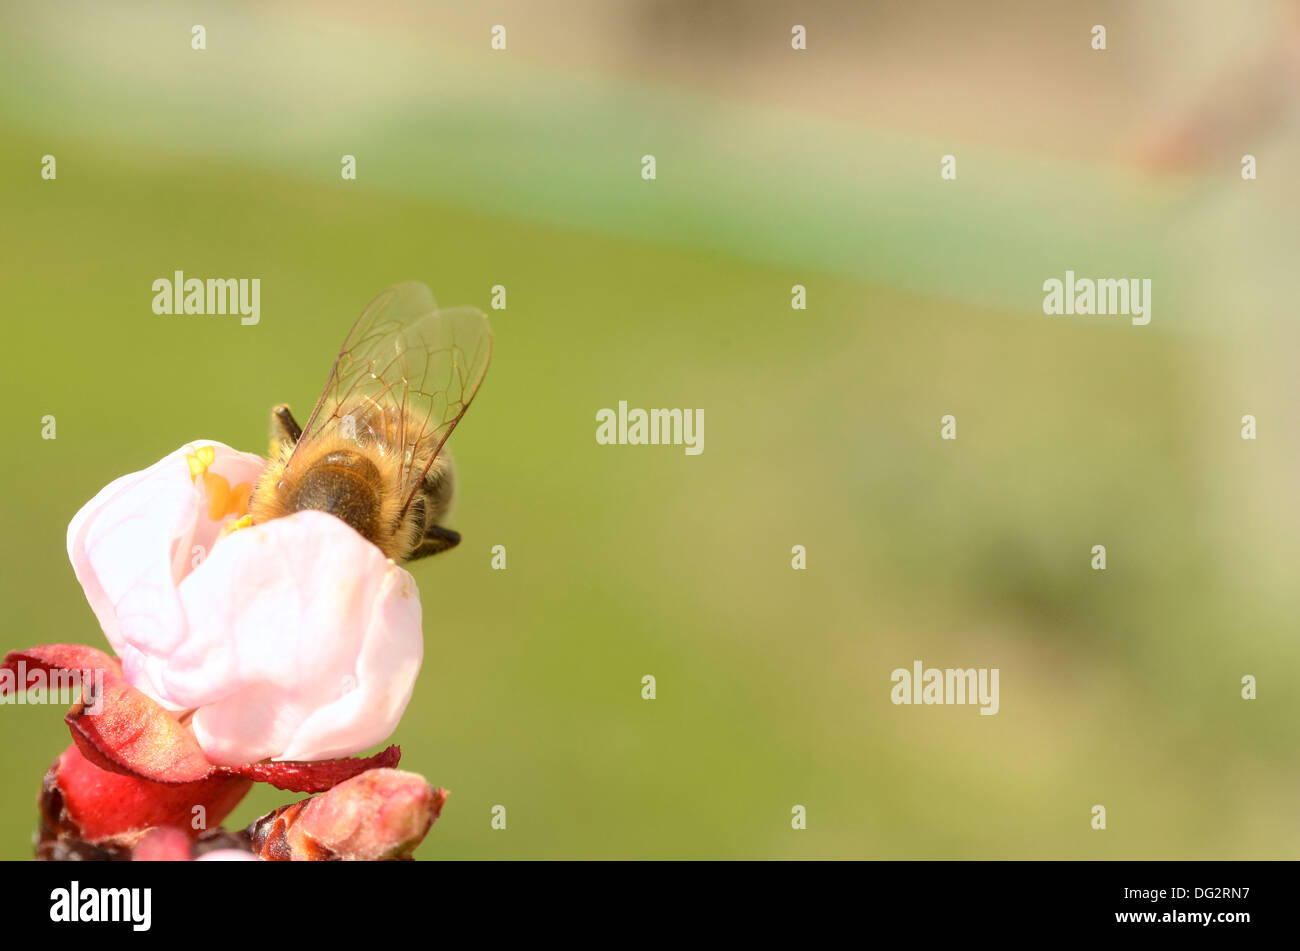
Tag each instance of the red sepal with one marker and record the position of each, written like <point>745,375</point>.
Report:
<point>313,777</point>
<point>135,736</point>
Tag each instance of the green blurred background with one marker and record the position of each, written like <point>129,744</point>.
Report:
<point>775,167</point>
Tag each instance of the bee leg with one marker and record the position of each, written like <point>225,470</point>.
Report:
<point>436,539</point>
<point>283,426</point>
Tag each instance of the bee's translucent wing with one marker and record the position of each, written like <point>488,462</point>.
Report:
<point>404,378</point>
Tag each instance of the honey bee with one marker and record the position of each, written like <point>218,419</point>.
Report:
<point>372,452</point>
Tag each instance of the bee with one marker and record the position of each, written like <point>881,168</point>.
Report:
<point>372,452</point>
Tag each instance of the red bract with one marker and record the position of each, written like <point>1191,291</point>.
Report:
<point>135,765</point>
<point>313,777</point>
<point>82,804</point>
<point>135,736</point>
<point>61,657</point>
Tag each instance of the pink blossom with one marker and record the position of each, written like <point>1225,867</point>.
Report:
<point>295,639</point>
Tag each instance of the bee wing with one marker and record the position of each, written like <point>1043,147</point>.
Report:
<point>404,378</point>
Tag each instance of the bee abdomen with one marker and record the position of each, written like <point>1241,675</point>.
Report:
<point>346,485</point>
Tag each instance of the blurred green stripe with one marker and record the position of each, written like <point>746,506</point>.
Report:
<point>786,189</point>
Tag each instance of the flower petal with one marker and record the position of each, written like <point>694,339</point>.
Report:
<point>304,643</point>
<point>134,541</point>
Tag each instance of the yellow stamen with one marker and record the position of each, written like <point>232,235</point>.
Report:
<point>199,460</point>
<point>235,525</point>
<point>238,504</point>
<point>217,490</point>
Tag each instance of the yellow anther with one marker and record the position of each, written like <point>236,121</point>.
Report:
<point>217,490</point>
<point>238,504</point>
<point>199,460</point>
<point>235,525</point>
